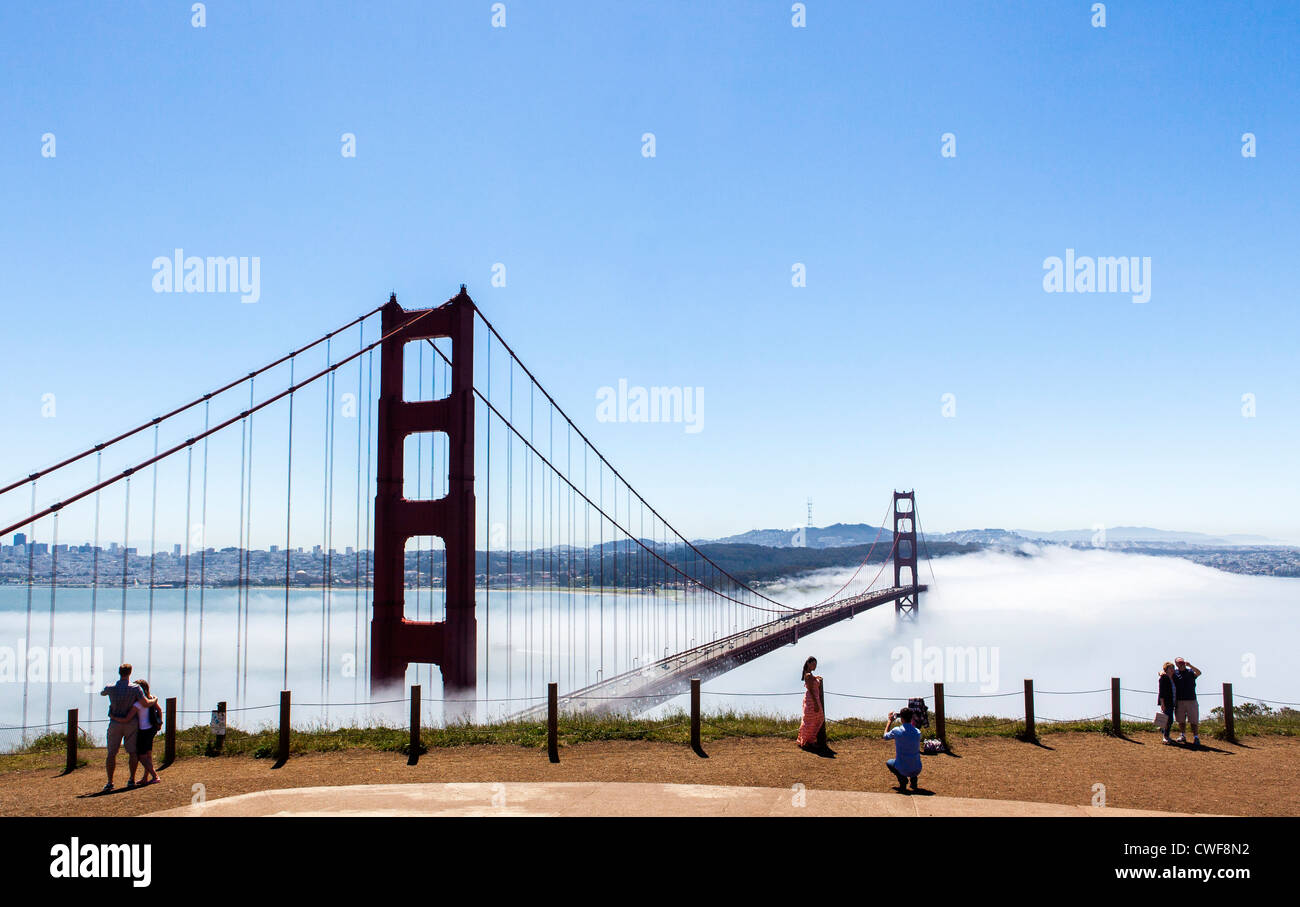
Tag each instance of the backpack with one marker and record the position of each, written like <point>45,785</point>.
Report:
<point>918,707</point>
<point>156,715</point>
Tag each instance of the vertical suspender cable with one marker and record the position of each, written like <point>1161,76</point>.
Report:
<point>548,543</point>
<point>600,556</point>
<point>27,635</point>
<point>248,576</point>
<point>617,603</point>
<point>528,544</point>
<point>510,522</point>
<point>329,542</point>
<point>356,549</point>
<point>288,517</point>
<point>94,578</point>
<point>568,440</point>
<point>487,539</point>
<point>203,545</point>
<point>185,597</point>
<point>126,552</point>
<point>370,402</point>
<point>586,596</point>
<point>49,648</point>
<point>153,550</point>
<point>239,557</point>
<point>324,524</point>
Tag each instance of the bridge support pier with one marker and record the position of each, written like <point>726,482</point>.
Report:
<point>907,605</point>
<point>397,642</point>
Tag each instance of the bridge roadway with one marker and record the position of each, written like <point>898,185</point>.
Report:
<point>643,688</point>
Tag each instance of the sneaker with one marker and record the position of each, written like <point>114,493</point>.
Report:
<point>913,780</point>
<point>1182,738</point>
<point>107,788</point>
<point>1168,741</point>
<point>130,783</point>
<point>1196,740</point>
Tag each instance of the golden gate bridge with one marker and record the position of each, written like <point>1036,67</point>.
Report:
<point>484,523</point>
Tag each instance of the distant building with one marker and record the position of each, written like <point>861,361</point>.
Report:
<point>20,539</point>
<point>176,550</point>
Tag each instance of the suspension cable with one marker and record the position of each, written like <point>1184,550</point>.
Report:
<point>631,491</point>
<point>879,530</point>
<point>515,356</point>
<point>216,428</point>
<point>180,409</point>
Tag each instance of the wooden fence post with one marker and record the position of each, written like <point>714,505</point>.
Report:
<point>695,715</point>
<point>1030,730</point>
<point>414,755</point>
<point>1115,714</point>
<point>72,741</point>
<point>285,699</point>
<point>940,725</point>
<point>552,721</point>
<point>169,738</point>
<point>1229,719</point>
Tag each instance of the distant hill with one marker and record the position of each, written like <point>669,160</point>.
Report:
<point>1147,534</point>
<point>843,535</point>
<point>840,535</point>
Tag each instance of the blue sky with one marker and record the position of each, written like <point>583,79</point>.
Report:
<point>774,145</point>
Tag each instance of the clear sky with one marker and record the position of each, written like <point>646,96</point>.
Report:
<point>774,145</point>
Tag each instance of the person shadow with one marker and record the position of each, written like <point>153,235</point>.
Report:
<point>819,748</point>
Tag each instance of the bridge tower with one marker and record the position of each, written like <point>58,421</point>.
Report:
<point>396,641</point>
<point>905,575</point>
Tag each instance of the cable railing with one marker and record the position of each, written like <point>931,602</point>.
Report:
<point>1252,715</point>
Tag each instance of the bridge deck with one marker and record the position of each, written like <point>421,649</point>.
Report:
<point>644,688</point>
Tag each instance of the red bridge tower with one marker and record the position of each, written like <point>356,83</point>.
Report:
<point>396,641</point>
<point>906,605</point>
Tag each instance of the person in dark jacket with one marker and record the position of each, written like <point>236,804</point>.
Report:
<point>1165,698</point>
<point>1186,707</point>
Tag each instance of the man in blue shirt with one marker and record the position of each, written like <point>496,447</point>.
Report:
<point>906,764</point>
<point>1186,708</point>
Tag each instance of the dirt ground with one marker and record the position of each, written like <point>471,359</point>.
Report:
<point>1258,777</point>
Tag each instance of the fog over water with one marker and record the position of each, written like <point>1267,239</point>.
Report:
<point>1069,619</point>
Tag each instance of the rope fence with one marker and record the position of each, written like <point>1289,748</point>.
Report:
<point>1254,713</point>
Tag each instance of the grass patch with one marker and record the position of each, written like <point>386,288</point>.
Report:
<point>1252,719</point>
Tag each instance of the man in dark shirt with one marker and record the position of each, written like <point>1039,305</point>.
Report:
<point>122,723</point>
<point>1186,707</point>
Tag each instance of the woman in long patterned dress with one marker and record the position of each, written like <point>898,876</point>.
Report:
<point>814,706</point>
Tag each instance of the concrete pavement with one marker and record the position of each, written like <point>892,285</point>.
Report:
<point>615,799</point>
